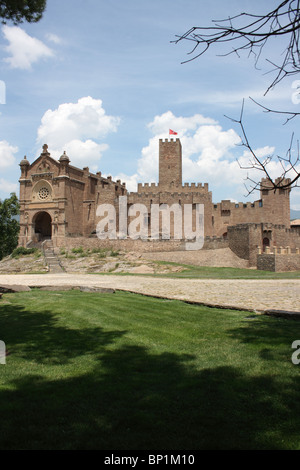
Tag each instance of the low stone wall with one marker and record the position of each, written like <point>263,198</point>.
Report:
<point>210,243</point>
<point>284,259</point>
<point>215,243</point>
<point>123,245</point>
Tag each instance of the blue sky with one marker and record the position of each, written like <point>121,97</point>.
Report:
<point>103,82</point>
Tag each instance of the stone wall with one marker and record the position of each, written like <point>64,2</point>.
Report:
<point>123,245</point>
<point>238,238</point>
<point>215,243</point>
<point>245,238</point>
<point>284,259</point>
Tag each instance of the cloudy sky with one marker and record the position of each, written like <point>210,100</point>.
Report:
<point>103,81</point>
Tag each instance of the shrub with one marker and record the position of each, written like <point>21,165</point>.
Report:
<point>78,250</point>
<point>114,253</point>
<point>20,250</point>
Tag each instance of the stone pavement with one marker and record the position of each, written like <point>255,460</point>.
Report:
<point>254,295</point>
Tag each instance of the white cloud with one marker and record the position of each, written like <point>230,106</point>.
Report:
<point>210,156</point>
<point>53,38</point>
<point>206,148</point>
<point>161,124</point>
<point>295,199</point>
<point>82,153</point>
<point>8,187</point>
<point>77,129</point>
<point>131,181</point>
<point>23,49</point>
<point>7,152</point>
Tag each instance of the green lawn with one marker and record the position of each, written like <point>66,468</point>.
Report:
<point>208,272</point>
<point>127,372</point>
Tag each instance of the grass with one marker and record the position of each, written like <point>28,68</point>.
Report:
<point>208,272</point>
<point>127,372</point>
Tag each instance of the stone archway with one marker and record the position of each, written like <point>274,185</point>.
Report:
<point>43,226</point>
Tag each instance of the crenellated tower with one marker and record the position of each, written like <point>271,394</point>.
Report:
<point>170,163</point>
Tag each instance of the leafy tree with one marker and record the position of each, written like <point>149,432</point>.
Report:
<point>20,10</point>
<point>9,226</point>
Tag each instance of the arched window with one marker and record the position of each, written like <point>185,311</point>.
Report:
<point>266,242</point>
<point>42,192</point>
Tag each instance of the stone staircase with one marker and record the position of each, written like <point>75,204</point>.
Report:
<point>51,259</point>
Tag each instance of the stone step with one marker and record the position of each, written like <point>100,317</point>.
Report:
<point>51,259</point>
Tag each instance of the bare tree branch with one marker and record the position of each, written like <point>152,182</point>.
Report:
<point>291,114</point>
<point>290,173</point>
<point>251,32</point>
<point>252,35</point>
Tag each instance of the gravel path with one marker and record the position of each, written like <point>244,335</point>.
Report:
<point>259,295</point>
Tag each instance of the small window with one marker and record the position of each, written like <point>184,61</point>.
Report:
<point>225,212</point>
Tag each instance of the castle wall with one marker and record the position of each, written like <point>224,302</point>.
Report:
<point>289,260</point>
<point>123,245</point>
<point>77,194</point>
<point>273,207</point>
<point>245,238</point>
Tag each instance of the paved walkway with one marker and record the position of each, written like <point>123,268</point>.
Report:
<point>259,295</point>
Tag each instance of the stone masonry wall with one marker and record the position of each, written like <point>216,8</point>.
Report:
<point>288,261</point>
<point>124,245</point>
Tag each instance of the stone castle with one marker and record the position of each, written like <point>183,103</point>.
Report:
<point>59,202</point>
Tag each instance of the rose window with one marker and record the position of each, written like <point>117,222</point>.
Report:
<point>44,193</point>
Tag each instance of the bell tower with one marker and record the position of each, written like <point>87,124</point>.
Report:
<point>170,163</point>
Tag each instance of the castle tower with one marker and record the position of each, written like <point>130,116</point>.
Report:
<point>170,163</point>
<point>276,204</point>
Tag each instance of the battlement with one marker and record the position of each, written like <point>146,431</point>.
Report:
<point>266,184</point>
<point>229,205</point>
<point>279,250</point>
<point>278,259</point>
<point>169,141</point>
<point>173,188</point>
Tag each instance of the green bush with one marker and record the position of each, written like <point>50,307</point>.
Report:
<point>78,250</point>
<point>20,250</point>
<point>114,253</point>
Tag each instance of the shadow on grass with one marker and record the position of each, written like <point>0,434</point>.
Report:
<point>136,400</point>
<point>39,337</point>
<point>273,336</point>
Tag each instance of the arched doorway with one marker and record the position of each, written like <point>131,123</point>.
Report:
<point>43,226</point>
<point>266,242</point>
